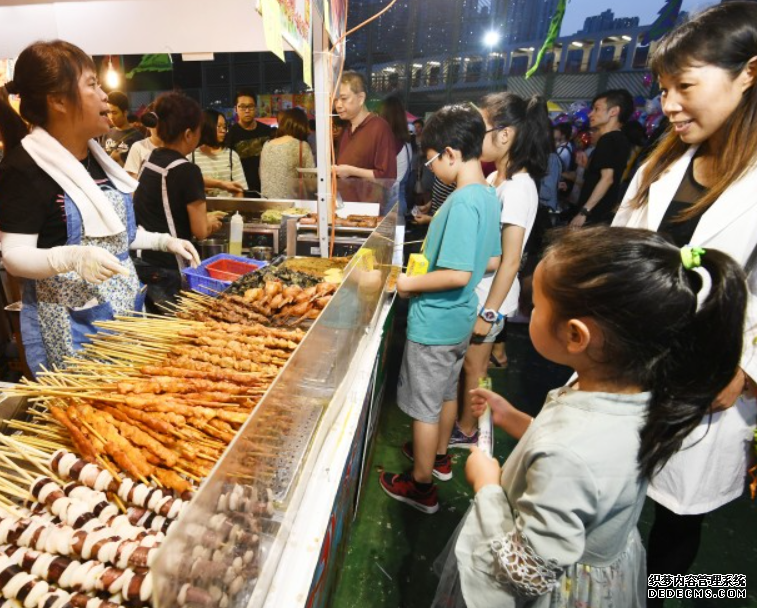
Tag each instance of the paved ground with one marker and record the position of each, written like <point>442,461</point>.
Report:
<point>388,563</point>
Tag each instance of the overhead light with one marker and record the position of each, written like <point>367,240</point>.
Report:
<point>626,38</point>
<point>435,63</point>
<point>531,48</point>
<point>466,59</point>
<point>112,78</point>
<point>389,70</point>
<point>577,43</point>
<point>491,38</point>
<point>417,65</point>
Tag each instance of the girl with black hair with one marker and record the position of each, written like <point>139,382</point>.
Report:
<point>171,196</point>
<point>517,140</point>
<point>651,347</point>
<point>699,187</point>
<point>221,167</point>
<point>66,215</point>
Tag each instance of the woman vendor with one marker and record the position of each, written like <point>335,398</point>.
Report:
<point>66,211</point>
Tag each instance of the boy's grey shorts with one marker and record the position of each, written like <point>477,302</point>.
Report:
<point>428,377</point>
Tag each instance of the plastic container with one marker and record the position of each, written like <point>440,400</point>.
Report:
<point>199,279</point>
<point>235,234</point>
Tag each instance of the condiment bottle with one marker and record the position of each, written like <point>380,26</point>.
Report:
<point>235,234</point>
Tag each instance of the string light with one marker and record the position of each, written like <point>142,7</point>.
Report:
<point>112,78</point>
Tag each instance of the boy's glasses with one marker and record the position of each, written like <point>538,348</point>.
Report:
<point>493,129</point>
<point>245,108</point>
<point>429,162</point>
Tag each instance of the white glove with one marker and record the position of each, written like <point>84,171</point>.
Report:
<point>160,241</point>
<point>93,264</point>
<point>180,247</point>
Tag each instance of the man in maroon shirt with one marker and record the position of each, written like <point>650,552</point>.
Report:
<point>367,146</point>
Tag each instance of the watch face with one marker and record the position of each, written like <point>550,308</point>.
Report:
<point>489,316</point>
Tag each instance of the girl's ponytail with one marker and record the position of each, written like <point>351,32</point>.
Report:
<point>701,364</point>
<point>635,287</point>
<point>12,127</point>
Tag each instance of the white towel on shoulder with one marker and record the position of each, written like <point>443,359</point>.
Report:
<point>98,216</point>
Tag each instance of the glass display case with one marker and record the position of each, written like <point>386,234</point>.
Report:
<point>226,549</point>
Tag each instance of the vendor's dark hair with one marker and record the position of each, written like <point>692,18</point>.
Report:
<point>149,118</point>
<point>120,100</point>
<point>533,131</point>
<point>294,123</point>
<point>209,131</point>
<point>42,69</point>
<point>459,127</point>
<point>724,36</point>
<point>176,113</point>
<point>633,285</point>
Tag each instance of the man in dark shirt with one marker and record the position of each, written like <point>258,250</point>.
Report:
<point>599,194</point>
<point>247,138</point>
<point>122,136</point>
<point>367,148</point>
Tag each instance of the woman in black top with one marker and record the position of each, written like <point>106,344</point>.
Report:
<point>66,214</point>
<point>171,195</point>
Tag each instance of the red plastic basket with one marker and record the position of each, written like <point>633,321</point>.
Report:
<point>229,270</point>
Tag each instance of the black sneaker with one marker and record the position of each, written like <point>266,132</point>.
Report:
<point>404,488</point>
<point>442,464</point>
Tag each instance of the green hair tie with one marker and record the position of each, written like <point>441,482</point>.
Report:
<point>691,257</point>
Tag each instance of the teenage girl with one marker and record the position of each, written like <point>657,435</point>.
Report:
<point>651,347</point>
<point>517,140</point>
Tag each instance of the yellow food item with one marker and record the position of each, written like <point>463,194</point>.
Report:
<point>417,265</point>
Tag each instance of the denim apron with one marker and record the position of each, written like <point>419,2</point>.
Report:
<point>58,312</point>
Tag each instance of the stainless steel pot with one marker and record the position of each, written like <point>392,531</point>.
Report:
<point>261,253</point>
<point>209,247</point>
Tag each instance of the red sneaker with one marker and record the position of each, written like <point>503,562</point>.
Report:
<point>442,464</point>
<point>405,489</point>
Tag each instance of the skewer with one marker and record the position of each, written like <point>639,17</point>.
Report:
<point>104,463</point>
<point>187,474</point>
<point>119,503</point>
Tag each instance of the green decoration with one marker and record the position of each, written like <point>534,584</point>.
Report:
<point>152,63</point>
<point>554,30</point>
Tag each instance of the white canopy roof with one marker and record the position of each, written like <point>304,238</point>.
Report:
<point>133,27</point>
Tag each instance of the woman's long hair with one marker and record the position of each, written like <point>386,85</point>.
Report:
<point>724,36</point>
<point>393,112</point>
<point>633,284</point>
<point>42,69</point>
<point>533,132</point>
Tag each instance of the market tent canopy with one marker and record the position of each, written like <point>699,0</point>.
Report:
<point>134,27</point>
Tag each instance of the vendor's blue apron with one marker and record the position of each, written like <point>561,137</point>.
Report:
<point>58,312</point>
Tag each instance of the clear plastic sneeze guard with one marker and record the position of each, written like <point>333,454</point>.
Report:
<point>226,547</point>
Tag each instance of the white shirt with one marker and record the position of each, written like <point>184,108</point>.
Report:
<point>138,154</point>
<point>520,200</point>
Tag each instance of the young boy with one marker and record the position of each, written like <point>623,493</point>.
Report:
<point>462,239</point>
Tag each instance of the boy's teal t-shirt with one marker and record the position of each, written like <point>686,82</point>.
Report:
<point>463,235</point>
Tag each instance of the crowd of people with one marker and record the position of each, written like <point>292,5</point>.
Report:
<point>643,292</point>
<point>629,251</point>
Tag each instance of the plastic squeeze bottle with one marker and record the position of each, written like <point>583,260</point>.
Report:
<point>235,235</point>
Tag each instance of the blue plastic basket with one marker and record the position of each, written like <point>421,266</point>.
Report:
<point>199,279</point>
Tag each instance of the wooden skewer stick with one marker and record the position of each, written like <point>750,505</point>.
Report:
<point>187,474</point>
<point>119,503</point>
<point>107,467</point>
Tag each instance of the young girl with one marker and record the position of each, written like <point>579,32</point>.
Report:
<point>518,141</point>
<point>556,526</point>
<point>698,187</point>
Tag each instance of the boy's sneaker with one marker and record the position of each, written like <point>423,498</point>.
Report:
<point>404,488</point>
<point>461,441</point>
<point>442,464</point>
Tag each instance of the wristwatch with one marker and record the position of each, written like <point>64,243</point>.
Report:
<point>489,315</point>
<point>584,211</point>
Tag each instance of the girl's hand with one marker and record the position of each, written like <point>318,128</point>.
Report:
<point>481,329</point>
<point>422,218</point>
<point>501,407</point>
<point>481,470</point>
<point>578,221</point>
<point>233,188</point>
